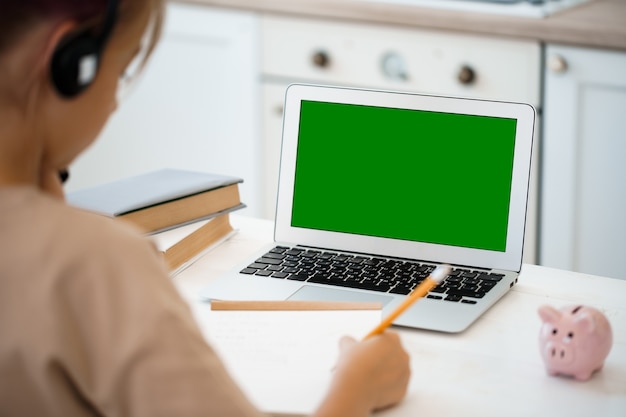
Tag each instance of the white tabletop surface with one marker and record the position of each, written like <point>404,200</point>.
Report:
<point>492,369</point>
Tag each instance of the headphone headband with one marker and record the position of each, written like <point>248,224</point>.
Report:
<point>109,22</point>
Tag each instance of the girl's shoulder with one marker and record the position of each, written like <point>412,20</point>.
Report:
<point>57,235</point>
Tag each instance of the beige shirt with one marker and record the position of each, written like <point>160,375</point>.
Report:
<point>90,324</point>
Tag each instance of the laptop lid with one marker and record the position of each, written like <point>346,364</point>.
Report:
<point>422,177</point>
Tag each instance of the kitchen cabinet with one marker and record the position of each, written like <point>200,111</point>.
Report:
<point>392,58</point>
<point>583,198</point>
<point>195,107</point>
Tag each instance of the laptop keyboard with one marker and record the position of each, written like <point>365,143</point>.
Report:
<point>394,276</point>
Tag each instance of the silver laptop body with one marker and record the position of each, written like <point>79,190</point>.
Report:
<point>371,181</point>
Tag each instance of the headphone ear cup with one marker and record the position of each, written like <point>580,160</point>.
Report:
<point>74,65</point>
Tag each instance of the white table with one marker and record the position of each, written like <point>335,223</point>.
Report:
<point>493,368</point>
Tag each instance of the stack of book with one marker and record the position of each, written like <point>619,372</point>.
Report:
<point>186,212</point>
<point>182,246</point>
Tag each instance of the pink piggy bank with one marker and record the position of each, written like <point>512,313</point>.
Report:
<point>574,340</point>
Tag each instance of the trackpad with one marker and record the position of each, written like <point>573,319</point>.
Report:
<point>311,293</point>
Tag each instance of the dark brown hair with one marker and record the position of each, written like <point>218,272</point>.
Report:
<point>18,16</point>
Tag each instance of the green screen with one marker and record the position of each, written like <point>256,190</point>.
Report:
<point>405,174</point>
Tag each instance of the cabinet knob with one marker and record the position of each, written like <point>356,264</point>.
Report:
<point>466,75</point>
<point>320,59</point>
<point>394,66</point>
<point>557,64</point>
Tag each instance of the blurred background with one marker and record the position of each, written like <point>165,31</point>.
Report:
<point>211,98</point>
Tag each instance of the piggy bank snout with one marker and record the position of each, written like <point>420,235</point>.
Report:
<point>558,353</point>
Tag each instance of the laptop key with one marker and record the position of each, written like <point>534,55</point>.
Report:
<point>383,287</point>
<point>274,255</point>
<point>298,277</point>
<point>269,261</point>
<point>471,281</point>
<point>248,271</point>
<point>401,290</point>
<point>356,260</point>
<point>340,283</point>
<point>491,277</point>
<point>338,272</point>
<point>434,297</point>
<point>470,287</point>
<point>369,274</point>
<point>487,285</point>
<point>279,249</point>
<point>373,261</point>
<point>323,279</point>
<point>462,292</point>
<point>374,287</point>
<point>275,268</point>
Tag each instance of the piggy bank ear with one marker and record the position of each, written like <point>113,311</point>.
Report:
<point>549,314</point>
<point>585,321</point>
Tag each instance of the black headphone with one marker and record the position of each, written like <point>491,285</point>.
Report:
<point>75,63</point>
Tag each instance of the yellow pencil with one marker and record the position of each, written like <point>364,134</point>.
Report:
<point>434,279</point>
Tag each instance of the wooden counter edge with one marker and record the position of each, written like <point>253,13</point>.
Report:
<point>596,24</point>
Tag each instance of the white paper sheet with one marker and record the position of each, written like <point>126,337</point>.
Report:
<point>284,360</point>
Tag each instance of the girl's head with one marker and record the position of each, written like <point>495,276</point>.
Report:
<point>94,19</point>
<point>61,63</point>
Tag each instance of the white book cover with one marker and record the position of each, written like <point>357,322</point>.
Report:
<point>145,190</point>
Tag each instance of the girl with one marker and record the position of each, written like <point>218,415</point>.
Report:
<point>90,324</point>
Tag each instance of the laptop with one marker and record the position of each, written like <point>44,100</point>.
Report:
<point>377,188</point>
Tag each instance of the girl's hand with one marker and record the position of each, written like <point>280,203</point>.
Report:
<point>370,375</point>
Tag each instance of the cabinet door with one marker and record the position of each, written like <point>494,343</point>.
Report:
<point>583,221</point>
<point>193,108</point>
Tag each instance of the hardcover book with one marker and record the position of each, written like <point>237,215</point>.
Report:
<point>182,246</point>
<point>162,199</point>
